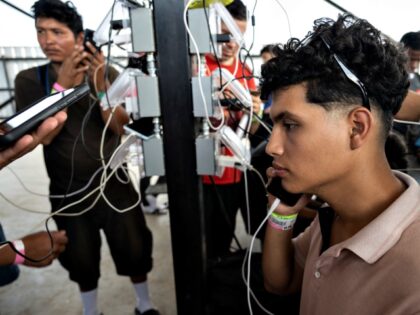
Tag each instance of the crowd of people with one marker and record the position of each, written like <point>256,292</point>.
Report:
<point>330,105</point>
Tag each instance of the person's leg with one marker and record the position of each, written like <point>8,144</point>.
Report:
<point>90,302</point>
<point>130,243</point>
<point>82,256</point>
<point>141,289</point>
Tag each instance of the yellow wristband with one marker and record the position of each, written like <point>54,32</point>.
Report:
<point>283,216</point>
<point>282,222</point>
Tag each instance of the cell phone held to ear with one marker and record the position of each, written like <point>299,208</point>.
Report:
<point>28,119</point>
<point>88,37</point>
<point>276,189</point>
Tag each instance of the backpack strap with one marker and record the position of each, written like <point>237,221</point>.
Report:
<point>43,78</point>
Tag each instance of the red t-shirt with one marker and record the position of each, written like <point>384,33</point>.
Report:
<point>230,175</point>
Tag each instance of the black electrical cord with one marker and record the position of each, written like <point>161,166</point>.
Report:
<point>244,65</point>
<point>248,51</point>
<point>109,46</point>
<point>240,78</point>
<point>260,120</point>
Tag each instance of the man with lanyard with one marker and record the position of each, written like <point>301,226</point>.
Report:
<point>73,155</point>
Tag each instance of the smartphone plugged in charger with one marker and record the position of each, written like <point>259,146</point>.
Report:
<point>276,189</point>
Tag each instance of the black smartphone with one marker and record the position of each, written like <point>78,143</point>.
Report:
<point>28,119</point>
<point>88,37</point>
<point>276,189</point>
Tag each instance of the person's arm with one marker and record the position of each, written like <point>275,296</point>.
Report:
<point>37,245</point>
<point>30,141</point>
<point>51,135</point>
<point>282,274</point>
<point>70,74</point>
<point>97,77</point>
<point>73,69</point>
<point>29,89</point>
<point>410,109</point>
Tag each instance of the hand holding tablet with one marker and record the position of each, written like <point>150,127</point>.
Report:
<point>28,119</point>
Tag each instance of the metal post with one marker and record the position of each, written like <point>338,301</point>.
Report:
<point>184,186</point>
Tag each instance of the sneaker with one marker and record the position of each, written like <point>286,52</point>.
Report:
<point>152,311</point>
<point>154,208</point>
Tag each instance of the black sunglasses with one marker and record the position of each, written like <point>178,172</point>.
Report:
<point>350,75</point>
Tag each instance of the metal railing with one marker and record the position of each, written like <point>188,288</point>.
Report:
<point>15,59</point>
<point>12,61</point>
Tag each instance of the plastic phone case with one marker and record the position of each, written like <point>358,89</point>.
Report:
<point>9,138</point>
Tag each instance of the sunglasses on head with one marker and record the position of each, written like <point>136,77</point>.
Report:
<point>349,74</point>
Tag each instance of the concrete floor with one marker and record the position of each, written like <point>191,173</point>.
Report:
<point>48,290</point>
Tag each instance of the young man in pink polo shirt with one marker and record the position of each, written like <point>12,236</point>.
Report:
<point>334,97</point>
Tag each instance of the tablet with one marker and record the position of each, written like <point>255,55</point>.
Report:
<point>27,120</point>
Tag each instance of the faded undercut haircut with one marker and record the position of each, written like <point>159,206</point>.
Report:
<point>376,61</point>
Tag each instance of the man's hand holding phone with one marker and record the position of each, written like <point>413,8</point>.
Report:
<point>96,69</point>
<point>289,203</point>
<point>30,141</point>
<point>73,68</point>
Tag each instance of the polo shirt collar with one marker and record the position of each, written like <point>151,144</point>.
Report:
<point>375,239</point>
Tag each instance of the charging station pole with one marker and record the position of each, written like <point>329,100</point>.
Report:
<point>184,186</point>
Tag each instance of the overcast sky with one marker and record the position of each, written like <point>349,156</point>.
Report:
<point>393,18</point>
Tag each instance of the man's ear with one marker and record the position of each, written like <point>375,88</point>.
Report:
<point>360,126</point>
<point>79,39</point>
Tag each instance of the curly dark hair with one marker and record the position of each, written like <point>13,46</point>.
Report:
<point>377,62</point>
<point>64,12</point>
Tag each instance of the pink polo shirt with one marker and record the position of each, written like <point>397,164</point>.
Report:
<point>375,272</point>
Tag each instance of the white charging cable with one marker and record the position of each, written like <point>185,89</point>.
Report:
<point>274,205</point>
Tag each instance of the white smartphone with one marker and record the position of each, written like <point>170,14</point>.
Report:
<point>28,119</point>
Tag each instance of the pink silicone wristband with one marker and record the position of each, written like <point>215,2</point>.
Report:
<point>20,247</point>
<point>58,87</point>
